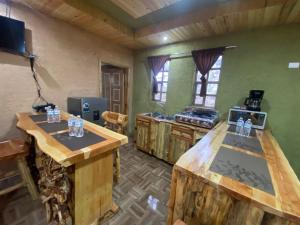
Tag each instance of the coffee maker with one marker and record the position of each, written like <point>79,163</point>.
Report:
<point>254,100</point>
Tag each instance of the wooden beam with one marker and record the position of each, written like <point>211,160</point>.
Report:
<point>203,15</point>
<point>83,15</point>
<point>100,15</point>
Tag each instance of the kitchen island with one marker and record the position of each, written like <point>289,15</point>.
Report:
<point>75,175</point>
<point>229,179</point>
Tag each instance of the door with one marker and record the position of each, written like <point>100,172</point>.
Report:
<point>114,88</point>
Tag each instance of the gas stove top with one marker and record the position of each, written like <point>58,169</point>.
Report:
<point>205,118</point>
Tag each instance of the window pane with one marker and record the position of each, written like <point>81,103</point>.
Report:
<point>210,101</point>
<point>164,87</point>
<point>163,97</point>
<point>218,64</point>
<point>167,66</point>
<point>198,88</point>
<point>198,100</point>
<point>159,76</point>
<point>159,87</point>
<point>214,75</point>
<point>198,76</point>
<point>166,76</point>
<point>212,89</point>
<point>157,96</point>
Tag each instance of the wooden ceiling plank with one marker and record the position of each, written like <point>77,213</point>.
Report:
<point>272,14</point>
<point>286,10</point>
<point>100,15</point>
<point>255,18</point>
<point>139,8</point>
<point>294,15</point>
<point>209,12</point>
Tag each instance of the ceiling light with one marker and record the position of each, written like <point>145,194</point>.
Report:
<point>165,38</point>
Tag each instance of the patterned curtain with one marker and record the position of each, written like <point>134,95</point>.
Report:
<point>204,60</point>
<point>156,63</point>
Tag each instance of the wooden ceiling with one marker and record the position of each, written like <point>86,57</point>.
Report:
<point>138,8</point>
<point>223,17</point>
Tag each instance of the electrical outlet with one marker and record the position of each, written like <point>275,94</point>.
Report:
<point>294,65</point>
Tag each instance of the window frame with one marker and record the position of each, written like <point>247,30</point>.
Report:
<point>161,92</point>
<point>207,82</point>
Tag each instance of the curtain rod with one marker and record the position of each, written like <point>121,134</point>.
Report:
<point>188,54</point>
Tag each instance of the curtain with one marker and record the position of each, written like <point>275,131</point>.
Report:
<point>156,63</point>
<point>204,60</point>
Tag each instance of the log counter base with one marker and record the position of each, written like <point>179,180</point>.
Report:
<point>200,196</point>
<point>75,185</point>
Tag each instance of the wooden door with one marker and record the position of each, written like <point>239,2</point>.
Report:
<point>114,88</point>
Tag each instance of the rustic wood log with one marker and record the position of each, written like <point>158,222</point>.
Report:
<point>55,190</point>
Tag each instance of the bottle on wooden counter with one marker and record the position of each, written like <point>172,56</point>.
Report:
<point>56,113</point>
<point>247,128</point>
<point>240,126</point>
<point>50,115</point>
<point>71,125</point>
<point>79,132</point>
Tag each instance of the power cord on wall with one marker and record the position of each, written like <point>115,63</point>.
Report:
<point>40,102</point>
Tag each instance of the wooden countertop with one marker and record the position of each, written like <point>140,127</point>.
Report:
<point>61,153</point>
<point>285,203</point>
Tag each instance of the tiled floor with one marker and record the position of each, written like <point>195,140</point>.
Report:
<point>142,194</point>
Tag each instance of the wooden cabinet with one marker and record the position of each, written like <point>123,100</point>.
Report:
<point>160,137</point>
<point>143,134</point>
<point>181,140</point>
<point>166,140</point>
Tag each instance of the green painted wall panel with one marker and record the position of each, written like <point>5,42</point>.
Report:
<point>260,62</point>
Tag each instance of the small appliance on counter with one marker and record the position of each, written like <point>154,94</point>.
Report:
<point>89,108</point>
<point>253,102</point>
<point>198,116</point>
<point>258,119</point>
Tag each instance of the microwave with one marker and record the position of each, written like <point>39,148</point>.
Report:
<point>258,119</point>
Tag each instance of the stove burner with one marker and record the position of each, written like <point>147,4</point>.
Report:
<point>205,119</point>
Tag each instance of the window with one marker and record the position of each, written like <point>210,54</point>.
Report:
<point>213,78</point>
<point>162,83</point>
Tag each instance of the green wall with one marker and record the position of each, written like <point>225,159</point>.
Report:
<point>259,62</point>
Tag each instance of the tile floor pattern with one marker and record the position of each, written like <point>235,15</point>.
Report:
<point>142,195</point>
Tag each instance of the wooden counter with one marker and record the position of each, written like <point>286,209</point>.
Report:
<point>200,196</point>
<point>90,170</point>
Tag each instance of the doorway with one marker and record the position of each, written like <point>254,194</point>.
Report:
<point>115,87</point>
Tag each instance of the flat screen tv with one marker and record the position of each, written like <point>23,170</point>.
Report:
<point>12,35</point>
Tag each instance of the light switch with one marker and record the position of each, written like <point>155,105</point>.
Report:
<point>294,65</point>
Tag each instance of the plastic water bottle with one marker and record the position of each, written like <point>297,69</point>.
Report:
<point>71,125</point>
<point>47,112</point>
<point>240,126</point>
<point>56,114</point>
<point>247,127</point>
<point>51,115</point>
<point>79,127</point>
<point>81,131</point>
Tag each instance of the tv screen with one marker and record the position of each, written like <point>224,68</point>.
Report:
<point>12,35</point>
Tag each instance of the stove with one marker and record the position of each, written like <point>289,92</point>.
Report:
<point>201,117</point>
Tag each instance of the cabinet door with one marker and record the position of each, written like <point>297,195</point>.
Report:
<point>143,135</point>
<point>180,141</point>
<point>161,139</point>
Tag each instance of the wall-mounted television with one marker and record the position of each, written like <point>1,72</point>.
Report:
<point>12,35</point>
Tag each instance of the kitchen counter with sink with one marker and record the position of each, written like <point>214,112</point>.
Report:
<point>230,179</point>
